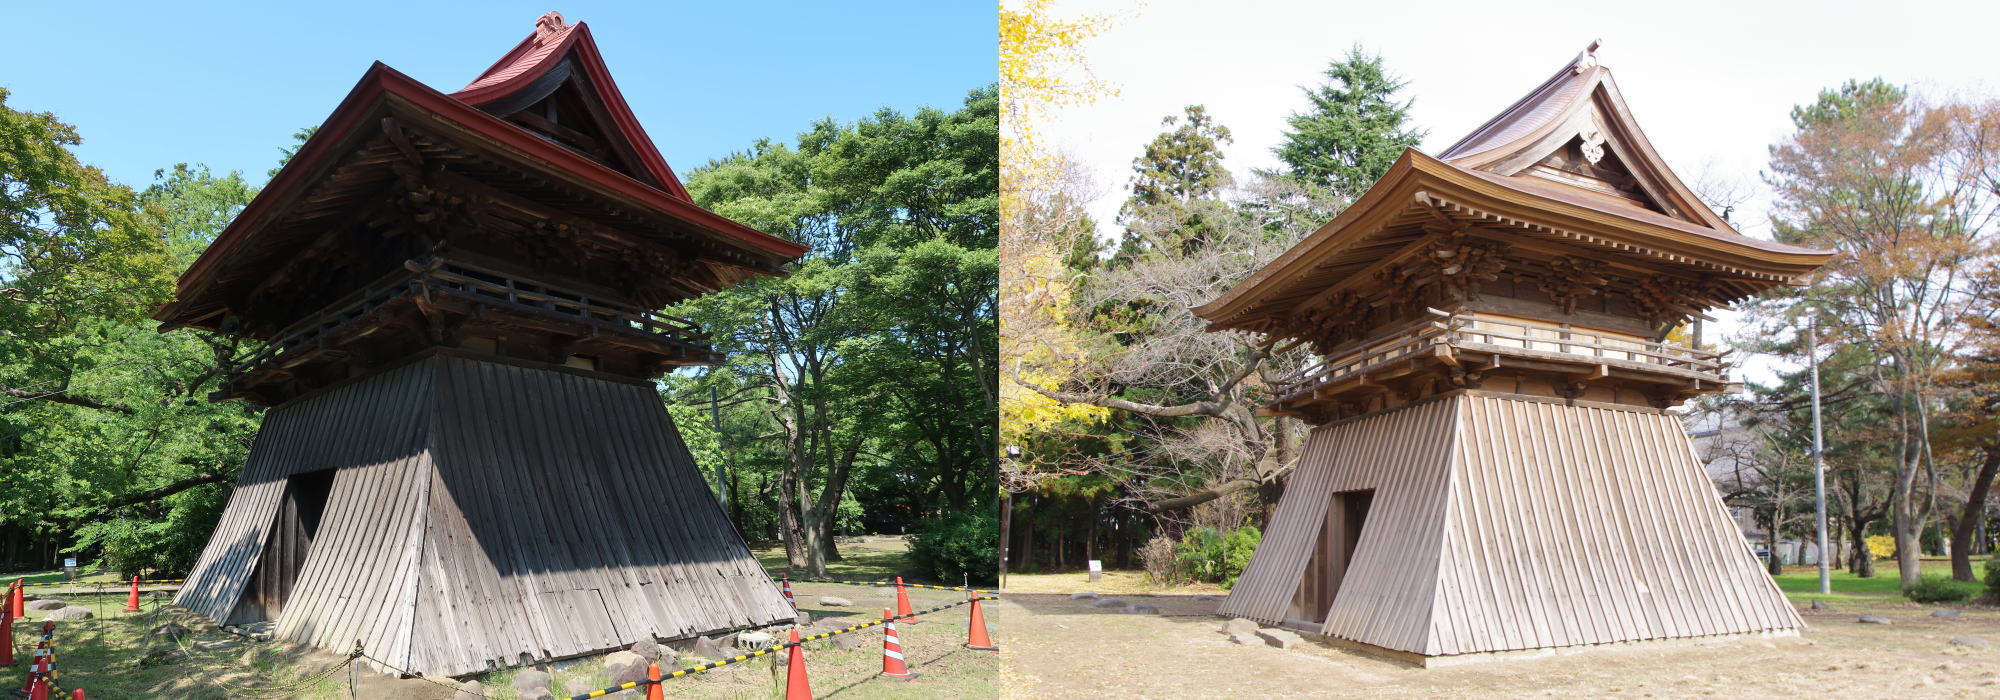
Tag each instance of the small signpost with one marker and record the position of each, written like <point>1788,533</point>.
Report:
<point>1096,570</point>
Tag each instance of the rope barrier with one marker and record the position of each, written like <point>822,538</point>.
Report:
<point>987,594</point>
<point>288,688</point>
<point>102,584</point>
<point>740,658</point>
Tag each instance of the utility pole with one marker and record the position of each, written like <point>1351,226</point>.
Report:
<point>1819,455</point>
<point>1007,513</point>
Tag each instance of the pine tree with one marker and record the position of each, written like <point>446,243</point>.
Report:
<point>1183,163</point>
<point>1354,130</point>
<point>1179,172</point>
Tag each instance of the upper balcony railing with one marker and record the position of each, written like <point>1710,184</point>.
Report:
<point>1453,334</point>
<point>430,282</point>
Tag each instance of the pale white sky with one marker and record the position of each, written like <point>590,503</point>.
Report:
<point>1710,82</point>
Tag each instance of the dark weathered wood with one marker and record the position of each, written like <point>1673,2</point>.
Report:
<point>495,511</point>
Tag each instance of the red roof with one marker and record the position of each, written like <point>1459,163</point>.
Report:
<point>529,60</point>
<point>544,49</point>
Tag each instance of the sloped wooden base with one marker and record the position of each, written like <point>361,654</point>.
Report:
<point>480,515</point>
<point>1422,661</point>
<point>1503,524</point>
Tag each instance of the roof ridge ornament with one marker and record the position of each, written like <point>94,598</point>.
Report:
<point>1588,59</point>
<point>1593,141</point>
<point>548,25</point>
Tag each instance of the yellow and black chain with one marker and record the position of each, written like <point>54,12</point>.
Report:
<point>740,658</point>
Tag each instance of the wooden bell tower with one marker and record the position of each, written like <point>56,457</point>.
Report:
<point>1494,467</point>
<point>466,464</point>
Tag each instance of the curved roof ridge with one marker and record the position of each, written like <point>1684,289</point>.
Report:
<point>1563,91</point>
<point>550,32</point>
<point>542,51</point>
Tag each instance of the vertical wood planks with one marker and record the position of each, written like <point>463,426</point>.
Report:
<point>1502,524</point>
<point>484,514</point>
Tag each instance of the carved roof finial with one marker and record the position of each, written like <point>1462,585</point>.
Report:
<point>1588,59</point>
<point>548,25</point>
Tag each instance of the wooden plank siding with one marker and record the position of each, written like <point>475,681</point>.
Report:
<point>1573,525</point>
<point>1503,524</point>
<point>1371,448</point>
<point>490,514</point>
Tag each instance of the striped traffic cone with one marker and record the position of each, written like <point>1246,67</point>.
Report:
<point>903,611</point>
<point>20,598</point>
<point>132,603</point>
<point>42,671</point>
<point>653,689</point>
<point>35,667</point>
<point>787,580</point>
<point>796,685</point>
<point>892,650</point>
<point>975,636</point>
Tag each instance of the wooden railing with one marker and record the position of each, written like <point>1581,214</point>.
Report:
<point>488,286</point>
<point>1400,346</point>
<point>479,285</point>
<point>1459,332</point>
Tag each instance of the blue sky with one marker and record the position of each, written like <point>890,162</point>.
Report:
<point>153,84</point>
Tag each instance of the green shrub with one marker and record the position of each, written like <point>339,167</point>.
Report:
<point>1237,548</point>
<point>960,546</point>
<point>1208,554</point>
<point>1941,589</point>
<point>1993,579</point>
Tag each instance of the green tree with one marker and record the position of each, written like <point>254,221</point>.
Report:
<point>1180,168</point>
<point>1353,129</point>
<point>870,369</point>
<point>1902,189</point>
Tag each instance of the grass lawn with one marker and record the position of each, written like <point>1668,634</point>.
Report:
<point>1114,582</point>
<point>879,557</point>
<point>57,576</point>
<point>1801,583</point>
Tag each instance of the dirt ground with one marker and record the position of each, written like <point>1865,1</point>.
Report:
<point>1065,648</point>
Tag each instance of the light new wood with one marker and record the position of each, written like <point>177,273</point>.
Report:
<point>1601,528</point>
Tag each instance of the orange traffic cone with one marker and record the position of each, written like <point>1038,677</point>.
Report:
<point>6,634</point>
<point>653,689</point>
<point>20,598</point>
<point>903,611</point>
<point>975,638</point>
<point>37,666</point>
<point>796,685</point>
<point>38,688</point>
<point>892,650</point>
<point>132,603</point>
<point>76,695</point>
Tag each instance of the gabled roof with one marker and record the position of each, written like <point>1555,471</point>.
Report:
<point>1540,171</point>
<point>383,92</point>
<point>554,55</point>
<point>1580,107</point>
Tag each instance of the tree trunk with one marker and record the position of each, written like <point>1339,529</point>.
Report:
<point>1027,560</point>
<point>1772,541</point>
<point>827,535</point>
<point>1909,552</point>
<point>1863,560</point>
<point>1090,539</point>
<point>1062,548</point>
<point>1974,515</point>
